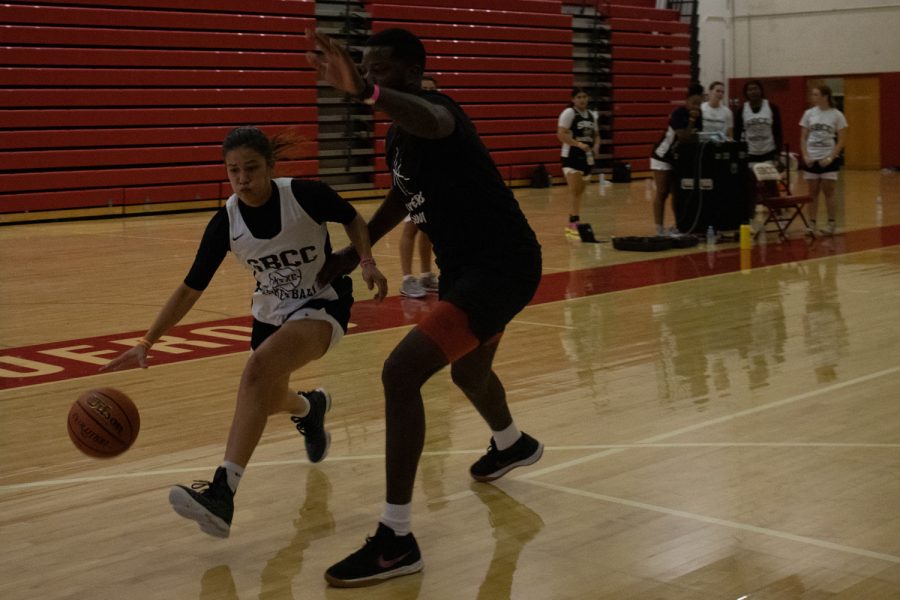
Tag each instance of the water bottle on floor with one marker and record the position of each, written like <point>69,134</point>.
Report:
<point>710,237</point>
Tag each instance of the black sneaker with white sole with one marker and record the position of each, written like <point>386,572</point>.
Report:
<point>312,426</point>
<point>497,463</point>
<point>209,503</point>
<point>385,555</point>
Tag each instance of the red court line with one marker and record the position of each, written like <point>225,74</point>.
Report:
<point>56,361</point>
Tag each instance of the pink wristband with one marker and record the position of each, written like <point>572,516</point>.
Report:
<point>376,92</point>
<point>367,261</point>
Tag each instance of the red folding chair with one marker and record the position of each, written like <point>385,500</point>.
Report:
<point>774,193</point>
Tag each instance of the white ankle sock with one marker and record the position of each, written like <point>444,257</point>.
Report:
<point>398,517</point>
<point>234,473</point>
<point>506,438</point>
<point>304,406</point>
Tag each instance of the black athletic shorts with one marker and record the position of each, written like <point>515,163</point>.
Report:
<point>758,158</point>
<point>577,160</point>
<point>338,309</point>
<point>491,296</point>
<point>817,168</point>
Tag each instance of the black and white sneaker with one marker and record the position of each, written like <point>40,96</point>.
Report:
<point>384,555</point>
<point>497,463</point>
<point>212,508</point>
<point>312,426</point>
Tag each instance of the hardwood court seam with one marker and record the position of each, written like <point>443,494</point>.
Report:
<point>715,421</point>
<point>716,521</point>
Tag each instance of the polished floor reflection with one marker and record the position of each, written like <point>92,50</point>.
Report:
<point>719,424</point>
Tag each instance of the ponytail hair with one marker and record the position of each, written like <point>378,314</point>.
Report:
<point>272,149</point>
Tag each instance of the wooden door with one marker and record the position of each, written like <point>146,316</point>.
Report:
<point>862,102</point>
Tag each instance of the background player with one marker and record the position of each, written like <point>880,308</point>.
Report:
<point>579,133</point>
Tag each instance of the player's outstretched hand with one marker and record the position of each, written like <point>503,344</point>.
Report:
<point>135,356</point>
<point>339,263</point>
<point>334,63</point>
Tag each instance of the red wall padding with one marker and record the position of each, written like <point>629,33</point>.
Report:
<point>127,101</point>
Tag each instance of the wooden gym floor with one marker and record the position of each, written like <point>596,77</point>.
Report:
<point>718,425</point>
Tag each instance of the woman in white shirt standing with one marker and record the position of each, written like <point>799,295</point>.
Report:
<point>823,136</point>
<point>579,133</point>
<point>758,122</point>
<point>716,116</point>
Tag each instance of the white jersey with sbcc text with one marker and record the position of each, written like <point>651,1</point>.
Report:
<point>823,126</point>
<point>285,267</point>
<point>758,129</point>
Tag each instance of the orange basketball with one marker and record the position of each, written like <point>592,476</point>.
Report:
<point>103,422</point>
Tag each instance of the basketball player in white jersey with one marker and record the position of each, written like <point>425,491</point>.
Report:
<point>579,133</point>
<point>276,228</point>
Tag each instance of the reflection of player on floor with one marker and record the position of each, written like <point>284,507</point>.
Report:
<point>513,525</point>
<point>409,234</point>
<point>443,175</point>
<point>277,229</point>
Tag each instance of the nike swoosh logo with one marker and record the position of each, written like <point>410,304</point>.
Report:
<point>234,239</point>
<point>387,564</point>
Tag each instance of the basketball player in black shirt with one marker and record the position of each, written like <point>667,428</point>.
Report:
<point>490,263</point>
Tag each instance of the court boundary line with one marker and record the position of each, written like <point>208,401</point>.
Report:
<point>361,457</point>
<point>608,449</point>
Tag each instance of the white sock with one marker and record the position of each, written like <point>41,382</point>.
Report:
<point>398,517</point>
<point>304,408</point>
<point>506,438</point>
<point>234,473</point>
<point>660,230</point>
<point>405,277</point>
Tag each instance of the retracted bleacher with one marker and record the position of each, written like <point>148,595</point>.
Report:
<point>116,105</point>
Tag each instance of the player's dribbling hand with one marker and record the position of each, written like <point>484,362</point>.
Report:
<point>135,356</point>
<point>334,64</point>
